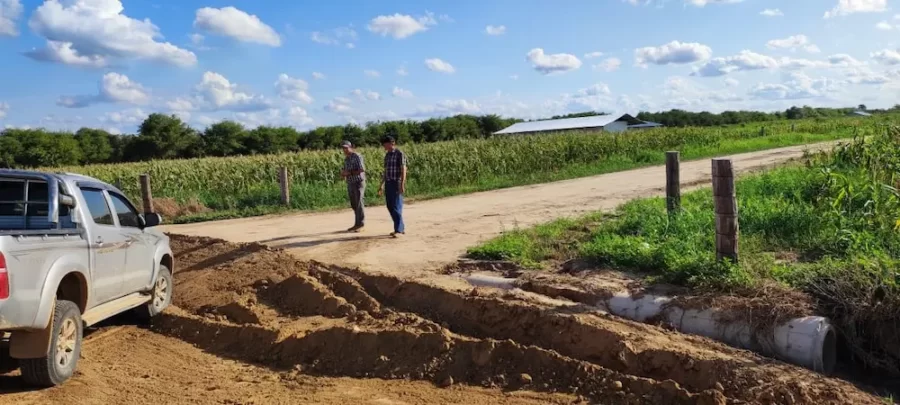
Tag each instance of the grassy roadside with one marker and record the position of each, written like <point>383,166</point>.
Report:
<point>830,228</point>
<point>315,196</point>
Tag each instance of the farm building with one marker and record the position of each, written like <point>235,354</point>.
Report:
<point>604,123</point>
<point>859,113</point>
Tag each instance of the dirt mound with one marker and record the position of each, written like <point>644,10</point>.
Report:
<point>254,304</point>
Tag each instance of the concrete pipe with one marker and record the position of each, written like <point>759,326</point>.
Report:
<point>808,341</point>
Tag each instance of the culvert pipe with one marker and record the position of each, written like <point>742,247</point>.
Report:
<point>808,341</point>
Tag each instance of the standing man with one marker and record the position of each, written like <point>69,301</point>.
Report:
<point>393,183</point>
<point>354,172</point>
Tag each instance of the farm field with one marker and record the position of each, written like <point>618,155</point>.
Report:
<point>819,237</point>
<point>268,328</point>
<point>218,188</point>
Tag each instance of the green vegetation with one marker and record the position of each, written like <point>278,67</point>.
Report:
<point>244,186</point>
<point>830,228</point>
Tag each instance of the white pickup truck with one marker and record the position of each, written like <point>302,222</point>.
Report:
<point>73,252</point>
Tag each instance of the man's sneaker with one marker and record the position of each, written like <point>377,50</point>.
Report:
<point>397,234</point>
<point>355,228</point>
<point>359,229</point>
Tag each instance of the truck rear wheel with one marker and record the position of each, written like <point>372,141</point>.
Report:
<point>161,295</point>
<point>65,349</point>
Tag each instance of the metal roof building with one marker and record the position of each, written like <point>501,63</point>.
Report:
<point>859,113</point>
<point>607,123</point>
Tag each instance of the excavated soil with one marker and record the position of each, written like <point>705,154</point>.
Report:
<point>254,304</point>
<point>254,325</point>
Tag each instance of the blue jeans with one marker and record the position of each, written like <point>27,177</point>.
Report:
<point>394,204</point>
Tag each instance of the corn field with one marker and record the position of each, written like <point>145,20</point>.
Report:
<point>250,182</point>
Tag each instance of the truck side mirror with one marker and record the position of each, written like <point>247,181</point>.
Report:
<point>152,219</point>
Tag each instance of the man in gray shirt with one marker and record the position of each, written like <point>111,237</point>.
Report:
<point>354,172</point>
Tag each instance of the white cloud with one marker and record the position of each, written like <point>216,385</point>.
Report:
<point>732,82</point>
<point>10,11</point>
<point>293,89</point>
<point>884,26</point>
<point>450,107</point>
<point>131,116</point>
<point>215,92</point>
<point>702,3</point>
<point>4,109</point>
<point>846,7</point>
<point>592,55</point>
<point>888,57</point>
<point>338,105</point>
<point>402,93</point>
<point>337,36</point>
<point>800,86</point>
<point>772,12</point>
<point>793,42</point>
<point>299,116</point>
<point>498,30</point>
<point>362,96</point>
<point>599,89</point>
<point>865,76</point>
<point>399,25</point>
<point>62,52</point>
<point>609,65</point>
<point>674,52</point>
<point>113,88</point>
<point>401,71</point>
<point>237,24</point>
<point>844,60</point>
<point>181,104</point>
<point>437,65</point>
<point>96,30</point>
<point>318,76</point>
<point>554,63</point>
<point>514,77</point>
<point>800,64</point>
<point>372,73</point>
<point>743,61</point>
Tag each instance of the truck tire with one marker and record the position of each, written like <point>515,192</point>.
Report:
<point>160,295</point>
<point>65,349</point>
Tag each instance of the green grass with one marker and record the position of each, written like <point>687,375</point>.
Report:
<point>830,228</point>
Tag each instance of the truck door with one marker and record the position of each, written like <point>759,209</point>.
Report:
<point>139,259</point>
<point>108,250</point>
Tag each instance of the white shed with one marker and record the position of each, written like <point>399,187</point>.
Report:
<point>605,123</point>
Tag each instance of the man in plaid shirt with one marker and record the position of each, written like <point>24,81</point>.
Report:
<point>393,183</point>
<point>354,172</point>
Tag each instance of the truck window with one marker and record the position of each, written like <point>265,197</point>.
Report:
<point>97,206</point>
<point>126,213</point>
<point>24,205</point>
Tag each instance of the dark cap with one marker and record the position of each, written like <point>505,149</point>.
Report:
<point>346,144</point>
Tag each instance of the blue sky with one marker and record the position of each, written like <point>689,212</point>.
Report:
<point>109,63</point>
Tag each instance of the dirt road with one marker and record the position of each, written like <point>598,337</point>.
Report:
<point>439,231</point>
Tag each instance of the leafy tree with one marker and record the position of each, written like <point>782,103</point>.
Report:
<point>224,138</point>
<point>267,140</point>
<point>166,136</point>
<point>94,144</point>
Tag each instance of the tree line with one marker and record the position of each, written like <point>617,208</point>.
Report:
<point>163,136</point>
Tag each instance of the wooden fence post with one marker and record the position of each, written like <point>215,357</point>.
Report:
<point>284,183</point>
<point>673,182</point>
<point>146,193</point>
<point>726,209</point>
